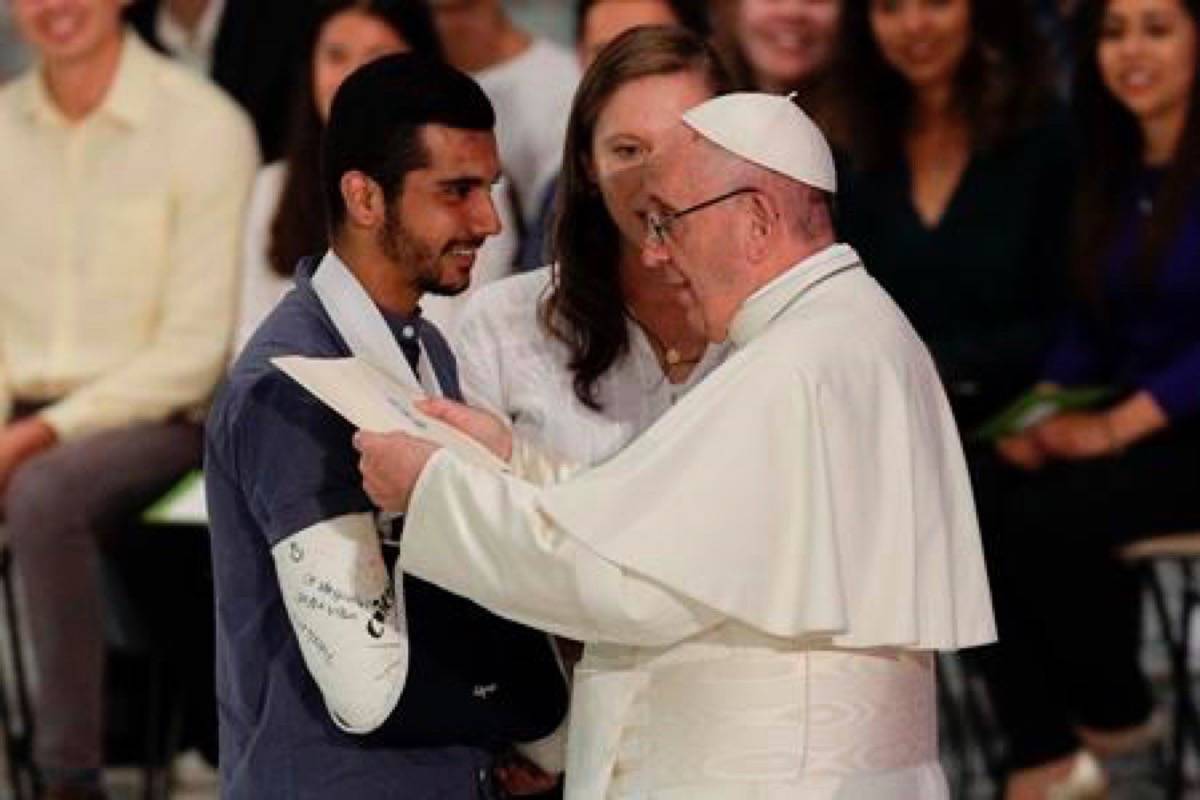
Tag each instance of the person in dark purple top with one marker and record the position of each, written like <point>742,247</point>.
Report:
<point>1065,676</point>
<point>1148,337</point>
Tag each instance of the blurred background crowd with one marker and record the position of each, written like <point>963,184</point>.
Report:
<point>1022,176</point>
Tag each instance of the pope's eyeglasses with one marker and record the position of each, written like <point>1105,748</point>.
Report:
<point>659,223</point>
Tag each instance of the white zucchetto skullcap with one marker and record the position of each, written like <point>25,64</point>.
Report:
<point>768,130</point>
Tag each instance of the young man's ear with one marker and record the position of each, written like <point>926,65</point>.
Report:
<point>365,205</point>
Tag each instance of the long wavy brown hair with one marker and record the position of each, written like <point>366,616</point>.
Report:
<point>1112,146</point>
<point>1002,85</point>
<point>585,308</point>
<point>298,228</point>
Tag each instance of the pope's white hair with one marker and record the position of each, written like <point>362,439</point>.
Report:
<point>805,210</point>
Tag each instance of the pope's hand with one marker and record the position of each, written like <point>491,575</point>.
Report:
<point>390,464</point>
<point>487,429</point>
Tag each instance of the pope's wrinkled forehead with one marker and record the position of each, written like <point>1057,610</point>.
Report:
<point>683,161</point>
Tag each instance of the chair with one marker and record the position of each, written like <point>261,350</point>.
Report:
<point>972,747</point>
<point>1154,557</point>
<point>158,600</point>
<point>16,716</point>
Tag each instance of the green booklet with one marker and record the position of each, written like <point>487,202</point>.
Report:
<point>183,504</point>
<point>1038,404</point>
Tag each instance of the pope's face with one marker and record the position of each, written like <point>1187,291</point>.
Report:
<point>697,252</point>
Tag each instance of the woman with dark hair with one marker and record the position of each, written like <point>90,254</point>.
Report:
<point>586,353</point>
<point>286,219</point>
<point>1093,480</point>
<point>780,46</point>
<point>598,22</point>
<point>955,183</point>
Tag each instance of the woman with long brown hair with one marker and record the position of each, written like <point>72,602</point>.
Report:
<point>955,183</point>
<point>584,354</point>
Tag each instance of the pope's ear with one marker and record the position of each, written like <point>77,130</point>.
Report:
<point>363,197</point>
<point>761,221</point>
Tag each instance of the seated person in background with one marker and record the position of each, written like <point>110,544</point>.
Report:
<point>127,180</point>
<point>1068,674</point>
<point>780,46</point>
<point>250,48</point>
<point>598,22</point>
<point>956,185</point>
<point>334,678</point>
<point>530,82</point>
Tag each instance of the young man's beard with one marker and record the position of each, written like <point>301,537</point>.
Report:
<point>410,253</point>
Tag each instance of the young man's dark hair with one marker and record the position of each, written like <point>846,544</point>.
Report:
<point>376,119</point>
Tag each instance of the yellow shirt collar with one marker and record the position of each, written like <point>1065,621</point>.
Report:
<point>127,99</point>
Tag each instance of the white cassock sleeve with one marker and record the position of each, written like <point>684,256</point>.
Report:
<point>518,565</point>
<point>538,466</point>
<point>347,617</point>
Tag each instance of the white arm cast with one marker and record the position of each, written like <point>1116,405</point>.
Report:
<point>347,617</point>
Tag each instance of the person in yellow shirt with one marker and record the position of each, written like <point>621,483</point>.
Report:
<point>124,179</point>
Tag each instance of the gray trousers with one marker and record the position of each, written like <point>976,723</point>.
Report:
<point>61,508</point>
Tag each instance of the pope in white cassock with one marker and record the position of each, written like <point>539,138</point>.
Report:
<point>761,579</point>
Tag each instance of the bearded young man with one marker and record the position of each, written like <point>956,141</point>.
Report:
<point>336,679</point>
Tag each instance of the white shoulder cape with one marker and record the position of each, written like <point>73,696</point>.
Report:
<point>814,485</point>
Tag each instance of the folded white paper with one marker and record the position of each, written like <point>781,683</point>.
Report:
<point>372,401</point>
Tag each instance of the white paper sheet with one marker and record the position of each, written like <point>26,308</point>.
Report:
<point>374,402</point>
